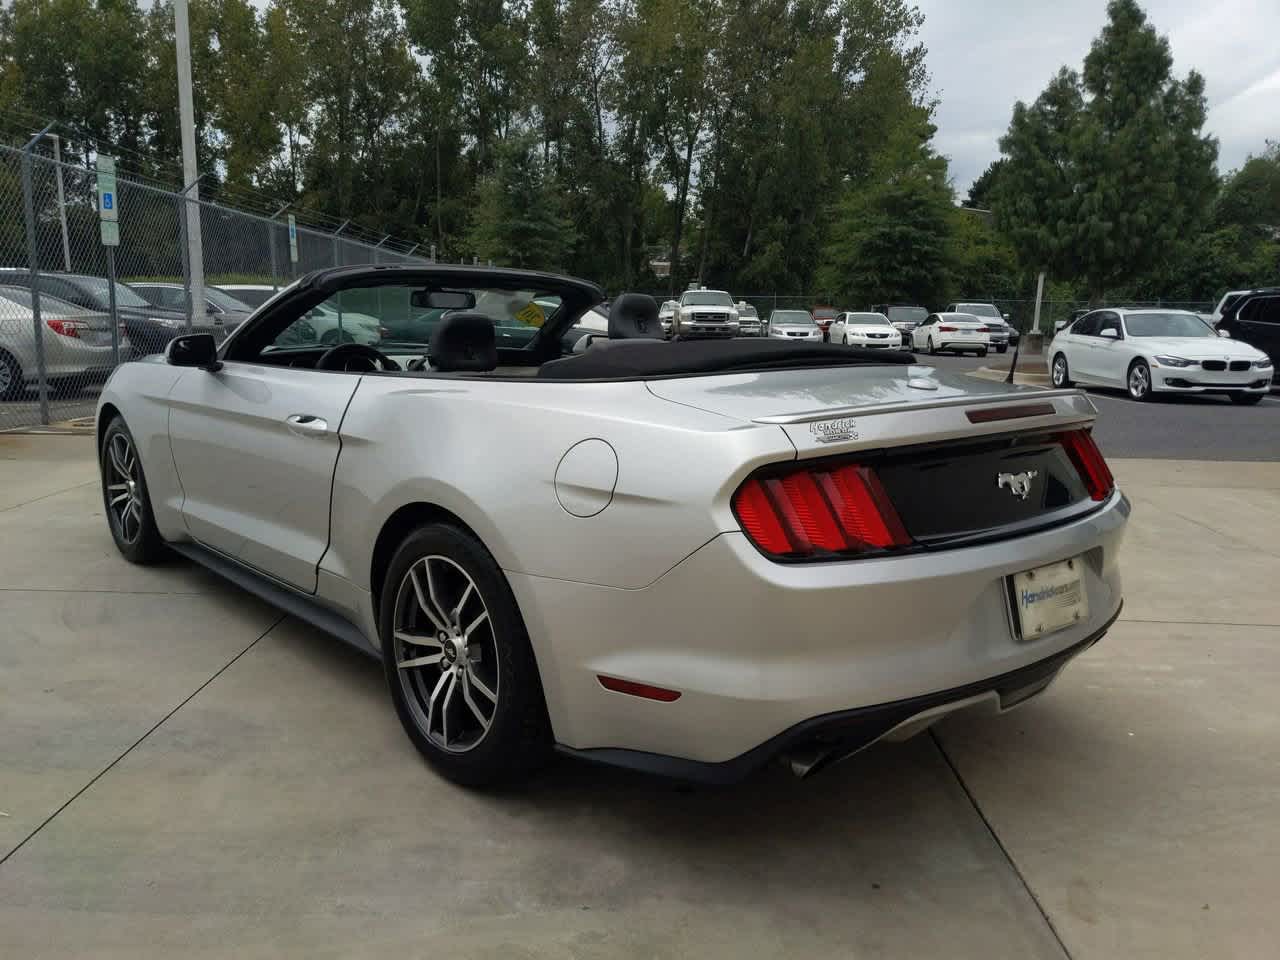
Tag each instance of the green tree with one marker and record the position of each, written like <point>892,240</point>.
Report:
<point>1108,170</point>
<point>517,218</point>
<point>1250,196</point>
<point>982,190</point>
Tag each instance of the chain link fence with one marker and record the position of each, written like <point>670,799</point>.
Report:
<point>64,325</point>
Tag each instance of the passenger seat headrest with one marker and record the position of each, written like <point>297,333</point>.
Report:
<point>634,316</point>
<point>464,342</point>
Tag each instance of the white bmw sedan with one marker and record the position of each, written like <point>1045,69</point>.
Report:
<point>957,332</point>
<point>1150,351</point>
<point>871,330</point>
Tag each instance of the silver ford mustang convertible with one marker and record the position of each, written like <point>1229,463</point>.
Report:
<point>684,557</point>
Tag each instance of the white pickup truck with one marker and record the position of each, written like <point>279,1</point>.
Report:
<point>705,313</point>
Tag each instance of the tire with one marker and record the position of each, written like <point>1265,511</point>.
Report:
<point>929,348</point>
<point>125,497</point>
<point>1246,399</point>
<point>1061,378</point>
<point>490,739</point>
<point>1138,381</point>
<point>1002,349</point>
<point>982,352</point>
<point>844,340</point>
<point>12,384</point>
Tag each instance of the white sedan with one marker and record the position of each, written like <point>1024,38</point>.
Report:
<point>872,330</point>
<point>1149,351</point>
<point>957,332</point>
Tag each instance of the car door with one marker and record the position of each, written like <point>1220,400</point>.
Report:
<point>1109,355</point>
<point>255,446</point>
<point>1077,345</point>
<point>1258,324</point>
<point>920,334</point>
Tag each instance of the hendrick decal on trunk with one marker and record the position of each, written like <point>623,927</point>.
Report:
<point>829,431</point>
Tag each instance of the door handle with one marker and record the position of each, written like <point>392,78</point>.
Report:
<point>305,425</point>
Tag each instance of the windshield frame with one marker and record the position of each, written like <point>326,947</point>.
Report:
<point>687,299</point>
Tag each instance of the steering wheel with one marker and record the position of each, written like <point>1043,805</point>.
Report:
<point>355,358</point>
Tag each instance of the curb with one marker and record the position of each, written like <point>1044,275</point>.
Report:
<point>1027,379</point>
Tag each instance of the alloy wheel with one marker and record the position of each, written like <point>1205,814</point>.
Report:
<point>445,653</point>
<point>1139,381</point>
<point>124,487</point>
<point>1059,371</point>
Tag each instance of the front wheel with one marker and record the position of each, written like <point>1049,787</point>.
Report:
<point>1140,381</point>
<point>982,352</point>
<point>125,496</point>
<point>1002,349</point>
<point>1246,399</point>
<point>844,340</point>
<point>1061,374</point>
<point>458,661</point>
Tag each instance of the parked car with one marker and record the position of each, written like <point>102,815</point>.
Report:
<point>872,330</point>
<point>563,589</point>
<point>666,314</point>
<point>903,316</point>
<point>749,322</point>
<point>1072,318</point>
<point>1003,335</point>
<point>705,313</point>
<point>148,327</point>
<point>953,332</point>
<point>794,325</point>
<point>77,342</point>
<point>1255,319</point>
<point>1157,351</point>
<point>1231,297</point>
<point>254,294</point>
<point>823,316</point>
<point>219,305</point>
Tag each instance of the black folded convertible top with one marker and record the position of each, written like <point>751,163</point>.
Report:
<point>625,359</point>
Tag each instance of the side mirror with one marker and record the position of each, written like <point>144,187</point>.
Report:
<point>1109,334</point>
<point>1225,333</point>
<point>193,350</point>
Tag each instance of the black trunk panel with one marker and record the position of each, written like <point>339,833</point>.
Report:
<point>951,492</point>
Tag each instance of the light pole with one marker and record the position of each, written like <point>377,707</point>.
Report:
<point>187,120</point>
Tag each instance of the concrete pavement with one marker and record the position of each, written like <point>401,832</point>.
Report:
<point>186,773</point>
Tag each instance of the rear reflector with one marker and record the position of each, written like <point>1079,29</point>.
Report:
<point>645,690</point>
<point>809,512</point>
<point>1088,461</point>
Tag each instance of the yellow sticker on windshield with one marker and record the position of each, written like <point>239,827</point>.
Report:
<point>531,315</point>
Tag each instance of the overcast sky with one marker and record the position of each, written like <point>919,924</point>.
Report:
<point>986,54</point>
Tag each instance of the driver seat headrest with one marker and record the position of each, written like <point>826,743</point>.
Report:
<point>634,316</point>
<point>464,342</point>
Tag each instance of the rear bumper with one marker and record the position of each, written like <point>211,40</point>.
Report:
<point>958,344</point>
<point>818,742</point>
<point>756,648</point>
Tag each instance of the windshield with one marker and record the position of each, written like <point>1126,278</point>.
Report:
<point>96,287</point>
<point>746,310</point>
<point>791,316</point>
<point>907,314</point>
<point>979,309</point>
<point>1167,325</point>
<point>224,300</point>
<point>387,318</point>
<point>50,306</point>
<point>707,298</point>
<point>869,318</point>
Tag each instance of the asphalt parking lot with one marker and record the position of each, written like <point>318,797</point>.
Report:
<point>184,772</point>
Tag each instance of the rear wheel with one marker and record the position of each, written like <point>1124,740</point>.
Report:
<point>982,352</point>
<point>458,661</point>
<point>1001,349</point>
<point>12,384</point>
<point>1139,380</point>
<point>125,497</point>
<point>930,348</point>
<point>1246,399</point>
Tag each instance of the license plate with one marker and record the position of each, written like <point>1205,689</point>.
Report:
<point>1050,598</point>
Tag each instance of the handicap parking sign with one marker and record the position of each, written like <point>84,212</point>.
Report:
<point>108,202</point>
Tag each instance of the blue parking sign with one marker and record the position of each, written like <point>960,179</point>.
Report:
<point>108,201</point>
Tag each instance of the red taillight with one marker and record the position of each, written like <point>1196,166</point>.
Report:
<point>947,329</point>
<point>67,328</point>
<point>809,511</point>
<point>1086,456</point>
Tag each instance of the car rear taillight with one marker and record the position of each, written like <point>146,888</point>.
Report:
<point>947,329</point>
<point>1089,463</point>
<point>809,512</point>
<point>67,328</point>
